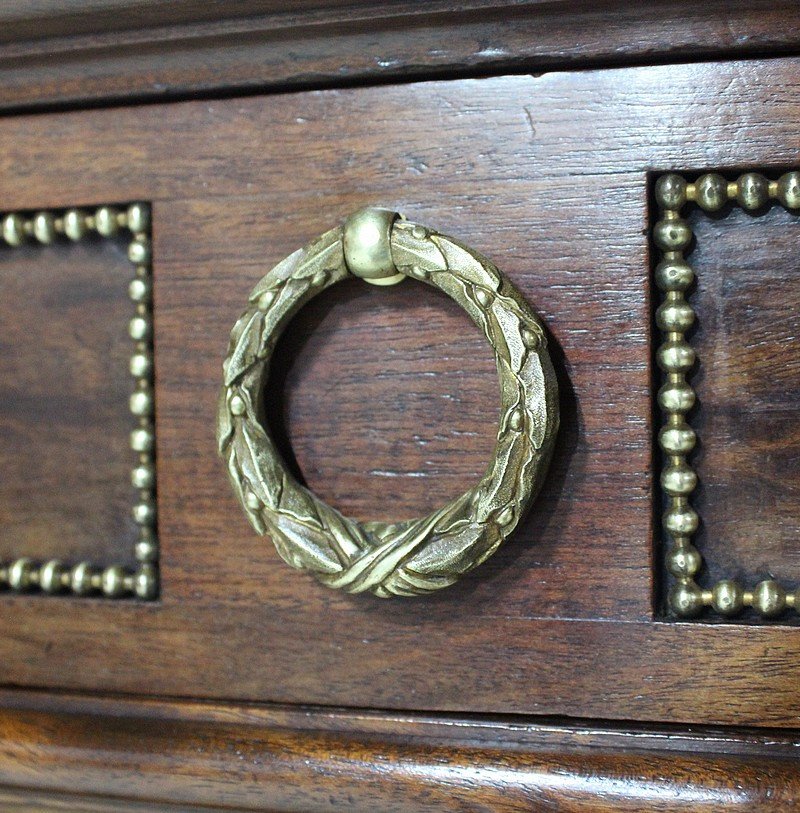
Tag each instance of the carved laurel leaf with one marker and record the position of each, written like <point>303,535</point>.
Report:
<point>307,545</point>
<point>412,247</point>
<point>282,271</point>
<point>466,265</point>
<point>324,254</point>
<point>245,348</point>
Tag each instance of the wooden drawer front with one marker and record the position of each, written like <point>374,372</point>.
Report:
<point>389,396</point>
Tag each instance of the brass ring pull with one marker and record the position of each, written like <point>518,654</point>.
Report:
<point>415,556</point>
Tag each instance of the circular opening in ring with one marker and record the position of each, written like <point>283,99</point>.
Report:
<point>384,402</point>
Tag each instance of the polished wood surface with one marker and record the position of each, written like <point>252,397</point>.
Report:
<point>259,758</point>
<point>747,383</point>
<point>548,176</point>
<point>548,680</point>
<point>90,51</point>
<point>65,489</point>
<point>394,407</point>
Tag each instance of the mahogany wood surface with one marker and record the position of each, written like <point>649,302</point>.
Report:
<point>747,383</point>
<point>548,177</point>
<point>90,51</point>
<point>191,756</point>
<point>65,488</point>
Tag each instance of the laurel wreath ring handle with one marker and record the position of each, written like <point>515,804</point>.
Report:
<point>418,556</point>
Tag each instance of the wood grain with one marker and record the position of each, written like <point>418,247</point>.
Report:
<point>396,406</point>
<point>548,177</point>
<point>65,489</point>
<point>747,383</point>
<point>260,758</point>
<point>111,50</point>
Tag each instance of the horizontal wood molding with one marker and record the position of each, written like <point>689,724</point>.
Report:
<point>192,755</point>
<point>116,50</point>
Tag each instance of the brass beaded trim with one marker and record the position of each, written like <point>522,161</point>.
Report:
<point>84,578</point>
<point>676,358</point>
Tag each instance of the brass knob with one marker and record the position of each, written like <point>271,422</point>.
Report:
<point>416,556</point>
<point>368,247</point>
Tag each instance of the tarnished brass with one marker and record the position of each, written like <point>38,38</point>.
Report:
<point>85,578</point>
<point>367,246</point>
<point>416,556</point>
<point>676,398</point>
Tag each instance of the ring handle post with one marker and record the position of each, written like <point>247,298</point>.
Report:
<point>367,241</point>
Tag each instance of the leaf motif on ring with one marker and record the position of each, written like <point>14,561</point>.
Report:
<point>412,557</point>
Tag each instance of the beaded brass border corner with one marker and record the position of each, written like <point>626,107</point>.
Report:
<point>83,578</point>
<point>676,358</point>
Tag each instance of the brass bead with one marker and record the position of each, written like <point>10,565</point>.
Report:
<point>675,317</point>
<point>146,550</point>
<point>319,279</point>
<point>139,250</point>
<point>140,365</point>
<point>483,297</point>
<point>676,397</point>
<point>675,357</point>
<point>789,190</point>
<point>139,328</point>
<point>674,275</point>
<point>727,597</point>
<point>752,191</point>
<point>684,561</point>
<point>113,583</point>
<point>139,290</point>
<point>106,222</point>
<point>529,338</point>
<point>14,230</point>
<point>678,480</point>
<point>686,599</point>
<point>75,224</point>
<point>266,299</point>
<point>81,579</point>
<point>237,406</point>
<point>144,513</point>
<point>711,192</point>
<point>50,576</point>
<point>681,520</point>
<point>44,227</point>
<point>20,574</point>
<point>505,516</point>
<point>671,191</point>
<point>769,598</point>
<point>142,440</point>
<point>516,420</point>
<point>680,439</point>
<point>253,502</point>
<point>141,403</point>
<point>672,235</point>
<point>138,217</point>
<point>145,583</point>
<point>143,477</point>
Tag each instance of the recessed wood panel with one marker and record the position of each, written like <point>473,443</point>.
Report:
<point>748,386</point>
<point>65,458</point>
